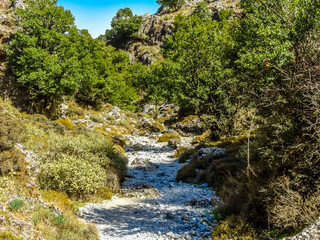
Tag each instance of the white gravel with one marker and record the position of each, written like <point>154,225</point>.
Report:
<point>180,211</point>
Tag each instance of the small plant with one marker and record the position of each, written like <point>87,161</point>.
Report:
<point>66,123</point>
<point>216,215</point>
<point>15,204</point>
<point>35,221</point>
<point>97,118</point>
<point>60,219</point>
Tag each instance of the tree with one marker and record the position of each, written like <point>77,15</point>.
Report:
<point>105,75</point>
<point>203,75</point>
<point>278,67</point>
<point>172,4</point>
<point>202,11</point>
<point>124,26</point>
<point>42,56</point>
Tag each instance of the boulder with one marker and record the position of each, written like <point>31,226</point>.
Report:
<point>115,112</point>
<point>198,202</point>
<point>139,190</point>
<point>140,162</point>
<point>173,143</point>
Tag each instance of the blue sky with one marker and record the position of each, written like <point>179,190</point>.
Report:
<point>96,15</point>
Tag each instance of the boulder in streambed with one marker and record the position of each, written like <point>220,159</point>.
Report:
<point>140,162</point>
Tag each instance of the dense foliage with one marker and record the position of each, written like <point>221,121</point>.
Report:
<point>124,26</point>
<point>52,59</point>
<point>262,70</point>
<point>172,4</point>
<point>202,11</point>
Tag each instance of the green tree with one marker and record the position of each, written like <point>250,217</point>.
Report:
<point>124,26</point>
<point>172,4</point>
<point>203,75</point>
<point>105,75</point>
<point>42,56</point>
<point>277,65</point>
<point>202,11</point>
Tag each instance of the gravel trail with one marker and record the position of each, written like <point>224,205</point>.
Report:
<point>155,206</point>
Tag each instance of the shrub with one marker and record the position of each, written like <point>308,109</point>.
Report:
<point>15,204</point>
<point>172,4</point>
<point>66,123</point>
<point>89,146</point>
<point>61,200</point>
<point>235,230</point>
<point>286,208</point>
<point>179,152</point>
<point>57,127</point>
<point>186,155</point>
<point>97,118</point>
<point>5,235</point>
<point>72,175</point>
<point>11,133</point>
<point>105,193</point>
<point>60,219</point>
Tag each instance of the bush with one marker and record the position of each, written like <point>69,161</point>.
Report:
<point>72,175</point>
<point>5,235</point>
<point>179,152</point>
<point>66,123</point>
<point>11,133</point>
<point>61,200</point>
<point>235,230</point>
<point>286,208</point>
<point>16,204</point>
<point>92,147</point>
<point>187,155</point>
<point>172,4</point>
<point>97,118</point>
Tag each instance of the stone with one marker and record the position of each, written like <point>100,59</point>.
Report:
<point>162,174</point>
<point>173,143</point>
<point>148,108</point>
<point>185,218</point>
<point>140,162</point>
<point>169,215</point>
<point>119,141</point>
<point>115,112</point>
<point>205,185</point>
<point>215,151</point>
<point>198,203</point>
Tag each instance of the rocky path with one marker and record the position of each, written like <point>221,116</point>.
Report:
<point>153,205</point>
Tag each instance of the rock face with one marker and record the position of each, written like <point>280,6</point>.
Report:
<point>8,86</point>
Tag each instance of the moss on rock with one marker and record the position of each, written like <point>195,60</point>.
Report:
<point>167,136</point>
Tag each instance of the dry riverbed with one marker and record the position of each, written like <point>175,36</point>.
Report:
<point>152,204</point>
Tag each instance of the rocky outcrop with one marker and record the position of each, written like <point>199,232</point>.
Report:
<point>8,85</point>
